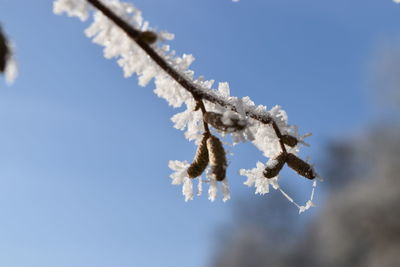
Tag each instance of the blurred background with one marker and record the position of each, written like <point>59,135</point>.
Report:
<point>84,152</point>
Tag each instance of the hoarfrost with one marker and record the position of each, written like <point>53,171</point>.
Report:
<point>255,177</point>
<point>200,187</point>
<point>133,60</point>
<point>180,168</point>
<point>225,190</point>
<point>212,190</point>
<point>187,188</point>
<point>73,8</point>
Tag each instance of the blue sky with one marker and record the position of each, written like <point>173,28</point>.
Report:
<point>84,152</point>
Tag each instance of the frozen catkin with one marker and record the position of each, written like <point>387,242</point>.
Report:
<point>148,37</point>
<point>300,166</point>
<point>274,166</point>
<point>217,157</point>
<point>289,140</point>
<point>4,52</point>
<point>200,160</point>
<point>217,121</point>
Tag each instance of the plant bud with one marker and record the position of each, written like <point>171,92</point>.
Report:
<point>274,166</point>
<point>289,140</point>
<point>217,157</point>
<point>300,166</point>
<point>4,52</point>
<point>216,120</point>
<point>148,37</point>
<point>200,160</point>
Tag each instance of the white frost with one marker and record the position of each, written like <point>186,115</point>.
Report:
<point>73,8</point>
<point>133,60</point>
<point>180,171</point>
<point>212,190</point>
<point>255,177</point>
<point>187,188</point>
<point>225,190</point>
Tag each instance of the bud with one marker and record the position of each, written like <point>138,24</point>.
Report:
<point>274,166</point>
<point>148,37</point>
<point>216,120</point>
<point>300,166</point>
<point>4,51</point>
<point>200,160</point>
<point>217,157</point>
<point>289,140</point>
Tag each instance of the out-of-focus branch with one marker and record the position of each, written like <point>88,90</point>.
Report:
<point>4,51</point>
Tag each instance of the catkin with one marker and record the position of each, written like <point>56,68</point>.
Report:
<point>148,37</point>
<point>215,120</point>
<point>200,160</point>
<point>217,157</point>
<point>4,52</point>
<point>273,171</point>
<point>300,166</point>
<point>289,140</point>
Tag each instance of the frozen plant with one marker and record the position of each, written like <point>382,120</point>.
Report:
<point>210,112</point>
<point>8,65</point>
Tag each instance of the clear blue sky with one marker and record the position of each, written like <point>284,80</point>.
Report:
<point>84,152</point>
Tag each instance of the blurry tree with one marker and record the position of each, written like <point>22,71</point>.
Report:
<point>359,225</point>
<point>260,234</point>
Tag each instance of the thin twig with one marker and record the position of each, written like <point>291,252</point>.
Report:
<point>198,94</point>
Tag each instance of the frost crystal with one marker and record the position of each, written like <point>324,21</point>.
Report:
<point>255,177</point>
<point>180,176</point>
<point>180,169</point>
<point>187,189</point>
<point>200,187</point>
<point>212,190</point>
<point>73,8</point>
<point>225,190</point>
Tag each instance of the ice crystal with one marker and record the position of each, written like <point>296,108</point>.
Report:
<point>73,8</point>
<point>212,190</point>
<point>180,169</point>
<point>187,188</point>
<point>225,190</point>
<point>256,178</point>
<point>180,176</point>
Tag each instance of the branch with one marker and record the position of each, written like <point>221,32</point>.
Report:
<point>198,93</point>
